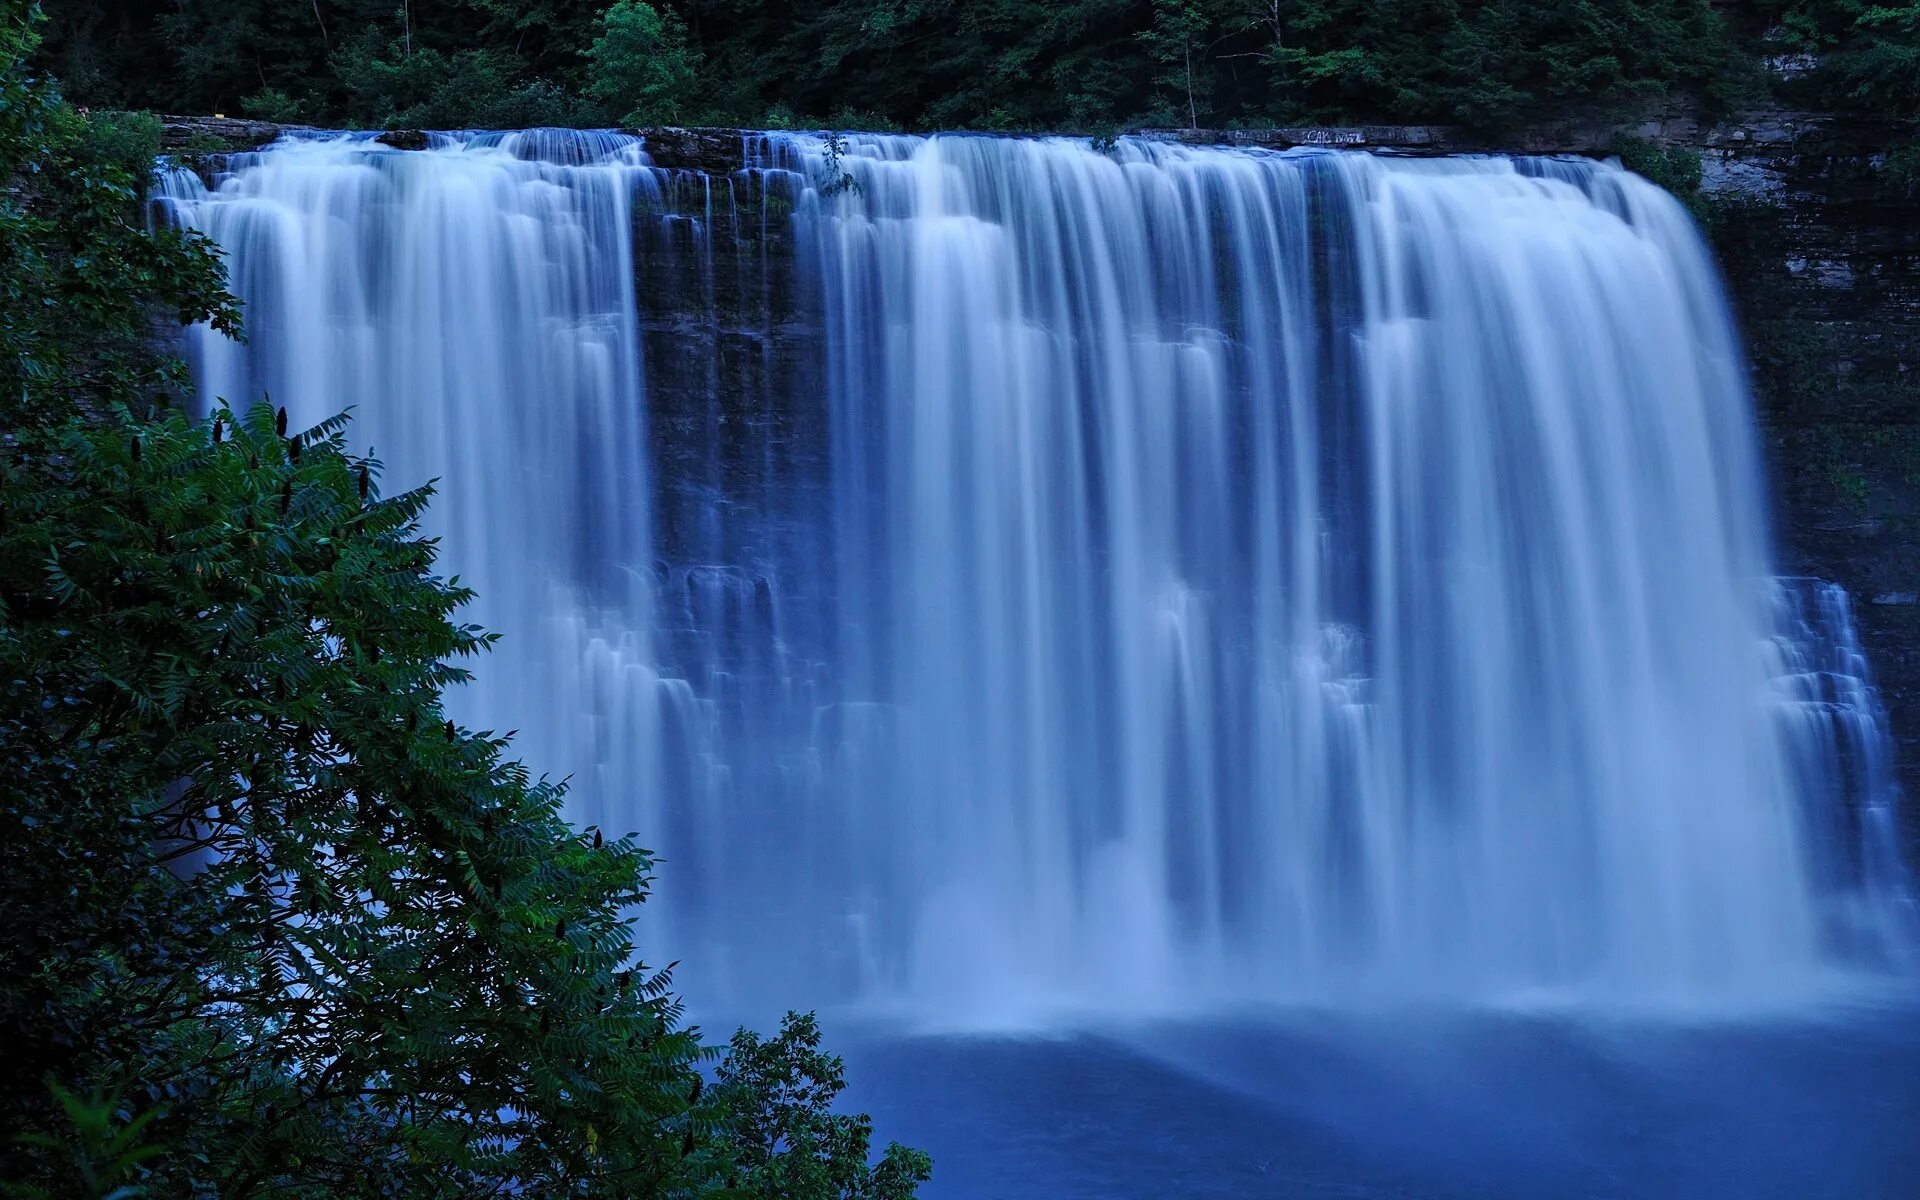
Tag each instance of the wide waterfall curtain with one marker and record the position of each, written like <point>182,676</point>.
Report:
<point>1225,573</point>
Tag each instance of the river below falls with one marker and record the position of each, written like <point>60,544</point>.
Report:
<point>1487,1107</point>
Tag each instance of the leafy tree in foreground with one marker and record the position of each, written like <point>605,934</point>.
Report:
<point>265,888</point>
<point>344,944</point>
<point>276,925</point>
<point>787,1141</point>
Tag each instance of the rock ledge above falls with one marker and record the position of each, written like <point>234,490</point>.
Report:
<point>1744,154</point>
<point>221,133</point>
<point>715,151</point>
<point>718,148</point>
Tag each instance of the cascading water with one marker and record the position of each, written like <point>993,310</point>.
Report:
<point>1226,573</point>
<point>474,307</point>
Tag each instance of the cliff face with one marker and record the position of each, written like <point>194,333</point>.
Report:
<point>1823,268</point>
<point>736,396</point>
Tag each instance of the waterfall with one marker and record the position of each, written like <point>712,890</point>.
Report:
<point>473,305</point>
<point>1224,575</point>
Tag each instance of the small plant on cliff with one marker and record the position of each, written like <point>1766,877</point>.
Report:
<point>837,180</point>
<point>1675,168</point>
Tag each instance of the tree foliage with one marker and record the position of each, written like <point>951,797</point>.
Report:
<point>277,924</point>
<point>311,912</point>
<point>790,1143</point>
<point>641,67</point>
<point>985,64</point>
<point>80,273</point>
<point>1493,63</point>
<point>1861,58</point>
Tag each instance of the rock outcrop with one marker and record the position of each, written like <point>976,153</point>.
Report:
<point>217,133</point>
<point>1822,263</point>
<point>709,151</point>
<point>405,139</point>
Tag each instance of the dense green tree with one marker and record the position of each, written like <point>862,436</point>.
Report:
<point>276,923</point>
<point>319,940</point>
<point>270,889</point>
<point>641,67</point>
<point>81,276</point>
<point>385,86</point>
<point>1177,42</point>
<point>223,52</point>
<point>988,64</point>
<point>1493,63</point>
<point>788,1142</point>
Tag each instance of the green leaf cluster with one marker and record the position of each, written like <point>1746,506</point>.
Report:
<point>789,1142</point>
<point>305,905</point>
<point>1497,63</point>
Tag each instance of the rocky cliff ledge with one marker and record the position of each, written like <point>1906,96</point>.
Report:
<point>713,151</point>
<point>1823,266</point>
<point>214,134</point>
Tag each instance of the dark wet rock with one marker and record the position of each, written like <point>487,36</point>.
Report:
<point>404,139</point>
<point>1428,139</point>
<point>708,151</point>
<point>1823,268</point>
<point>217,134</point>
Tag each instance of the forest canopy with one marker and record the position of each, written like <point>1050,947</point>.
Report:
<point>1076,65</point>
